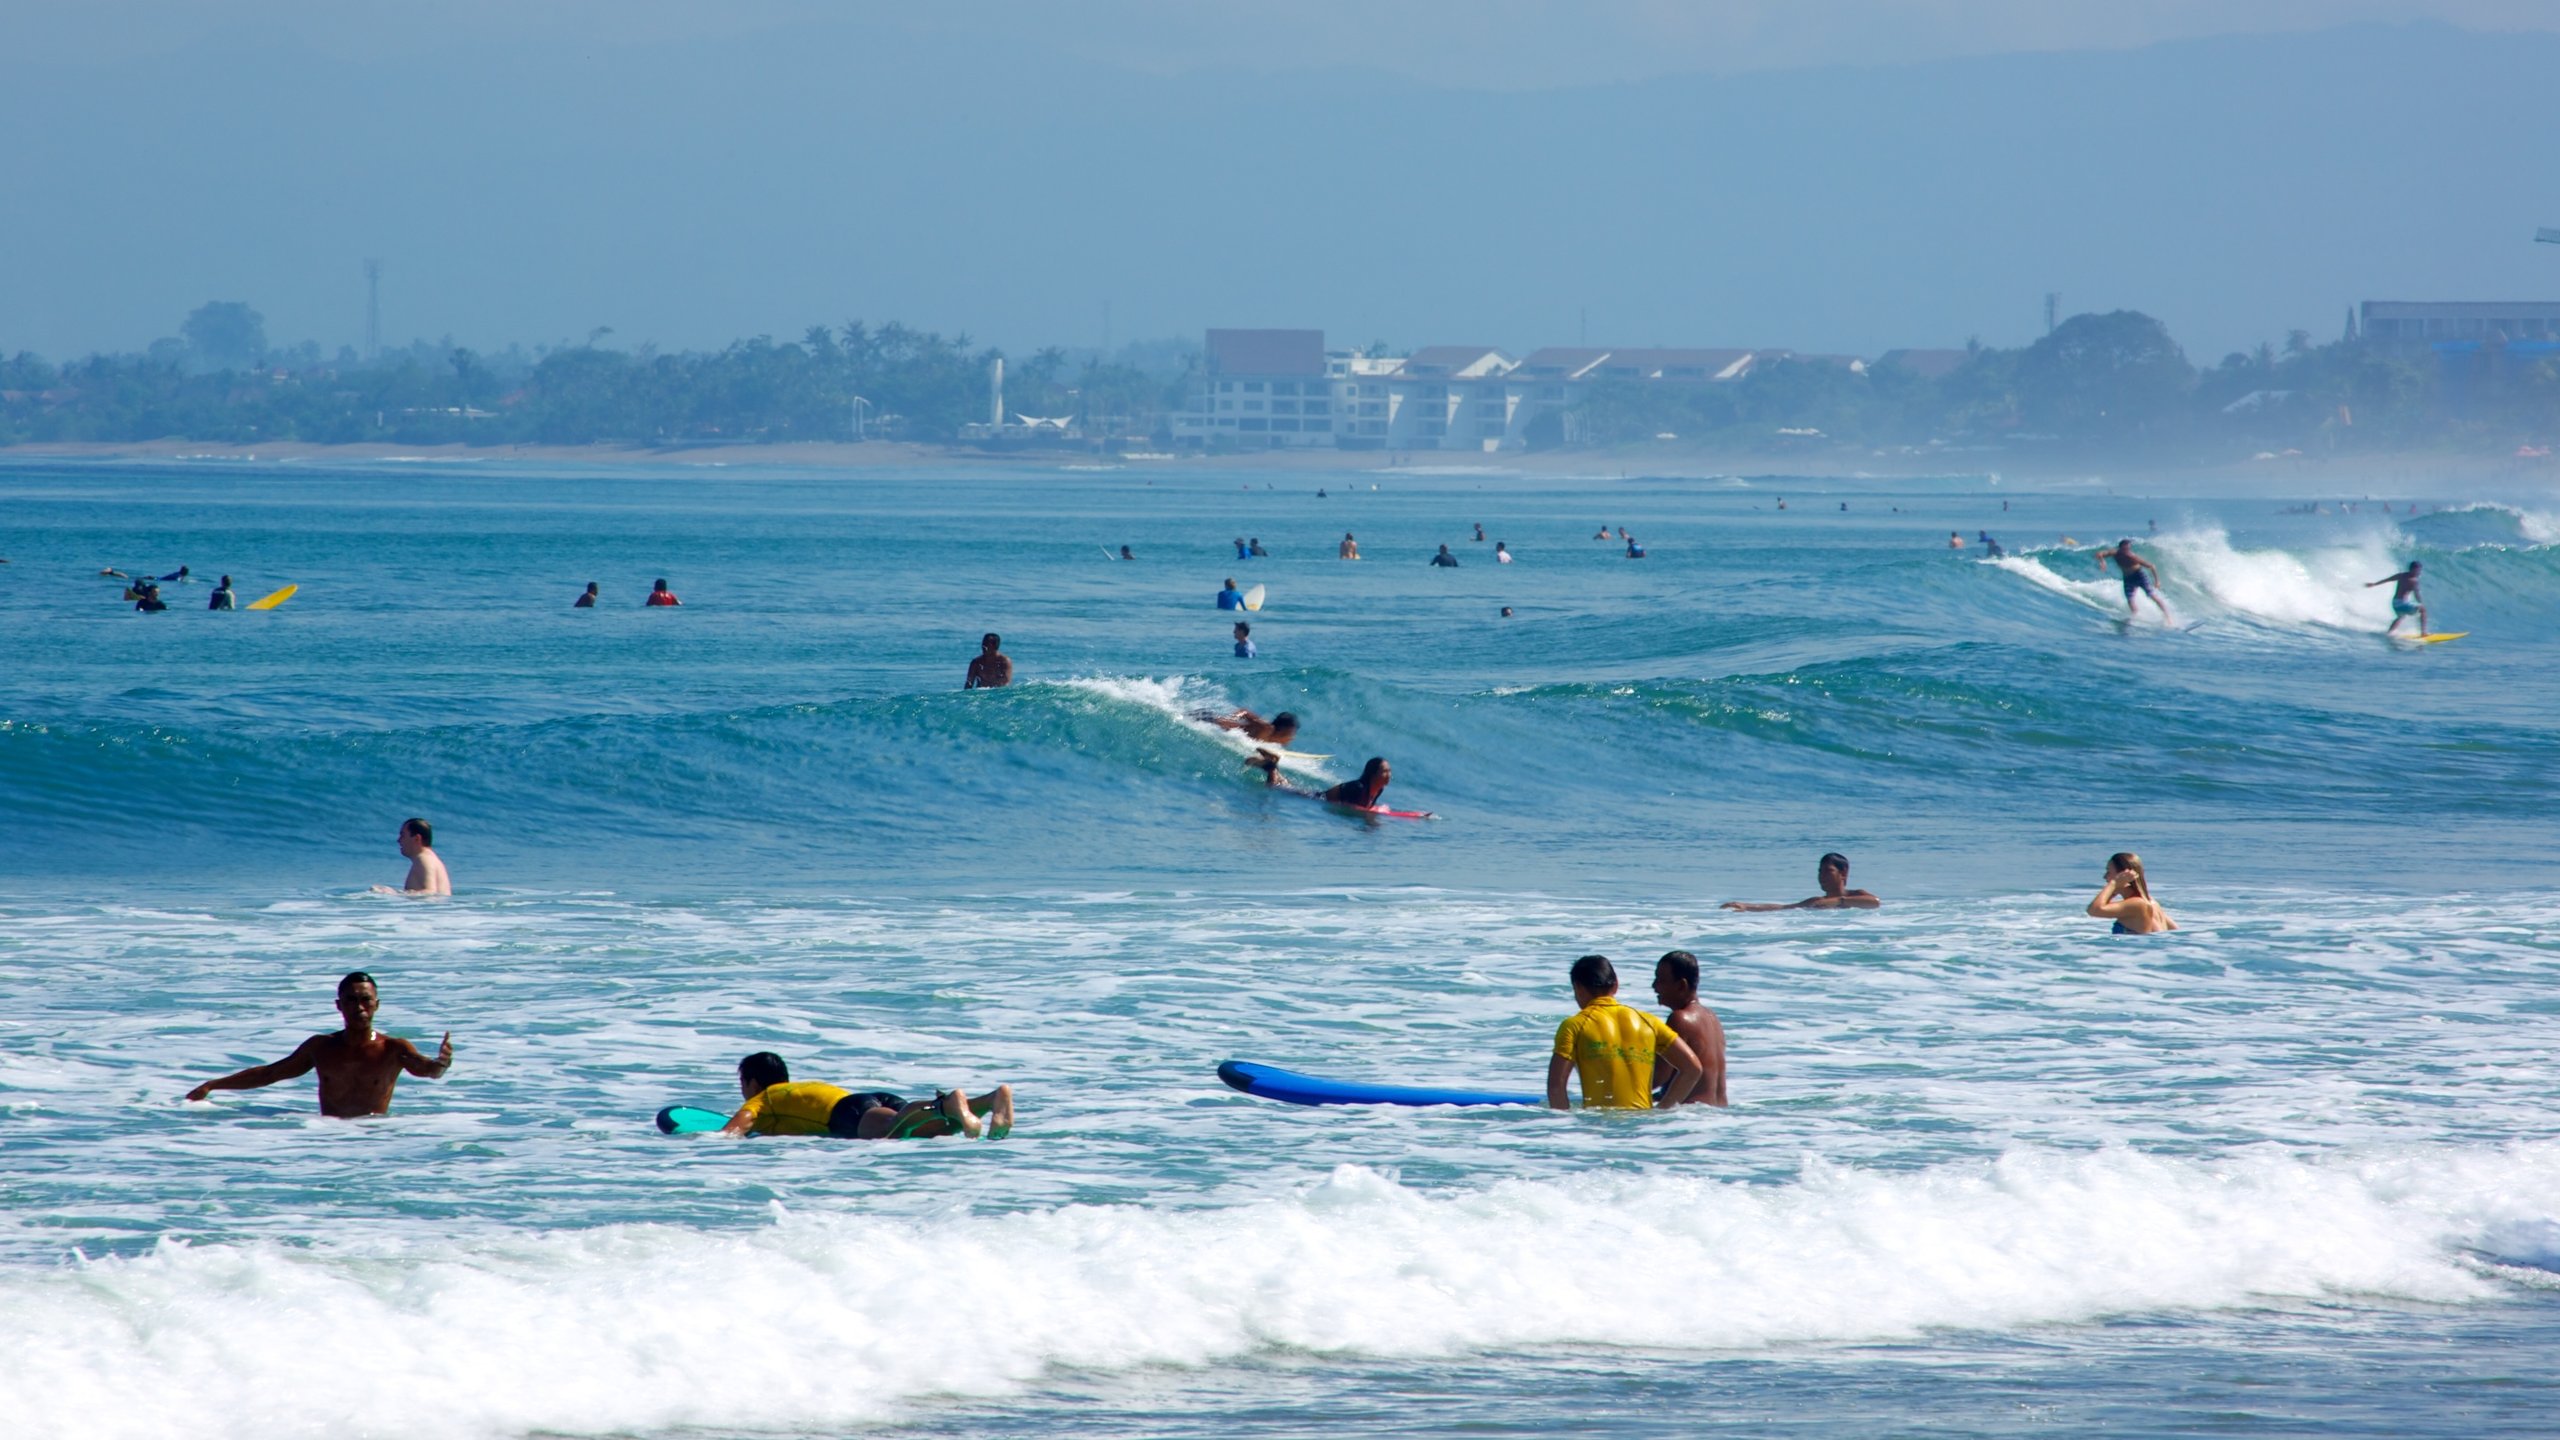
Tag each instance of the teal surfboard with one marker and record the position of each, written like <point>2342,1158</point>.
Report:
<point>686,1120</point>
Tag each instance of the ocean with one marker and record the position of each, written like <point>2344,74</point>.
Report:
<point>1988,1170</point>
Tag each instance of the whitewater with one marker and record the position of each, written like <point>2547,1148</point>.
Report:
<point>1988,1170</point>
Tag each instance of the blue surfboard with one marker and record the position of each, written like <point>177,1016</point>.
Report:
<point>1270,1082</point>
<point>686,1120</point>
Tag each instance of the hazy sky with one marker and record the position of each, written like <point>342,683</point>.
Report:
<point>1847,175</point>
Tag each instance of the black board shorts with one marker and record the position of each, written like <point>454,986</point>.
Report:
<point>845,1120</point>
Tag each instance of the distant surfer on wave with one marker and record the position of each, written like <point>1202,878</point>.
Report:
<point>358,1068</point>
<point>2139,575</point>
<point>778,1105</point>
<point>2404,598</point>
<point>2126,899</point>
<point>1279,730</point>
<point>427,875</point>
<point>990,668</point>
<point>1832,874</point>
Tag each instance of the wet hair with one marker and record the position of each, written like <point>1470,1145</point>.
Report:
<point>764,1068</point>
<point>990,640</point>
<point>661,585</point>
<point>2127,860</point>
<point>1834,860</point>
<point>425,832</point>
<point>1285,720</point>
<point>1682,965</point>
<point>1244,629</point>
<point>354,978</point>
<point>2414,566</point>
<point>1595,974</point>
<point>591,587</point>
<point>1369,773</point>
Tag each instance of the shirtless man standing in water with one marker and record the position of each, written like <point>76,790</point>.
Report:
<point>358,1068</point>
<point>426,868</point>
<point>1675,984</point>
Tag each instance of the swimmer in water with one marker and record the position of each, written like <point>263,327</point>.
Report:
<point>358,1068</point>
<point>779,1105</point>
<point>1501,553</point>
<point>1479,534</point>
<point>1675,984</point>
<point>1614,1048</point>
<point>2405,601</point>
<point>1506,612</point>
<point>1230,598</point>
<point>1368,790</point>
<point>990,668</point>
<point>1125,555</point>
<point>1254,549</point>
<point>2126,899</point>
<point>659,594</point>
<point>1279,730</point>
<point>426,868</point>
<point>587,600</point>
<point>1444,558</point>
<point>1244,642</point>
<point>1349,549</point>
<point>1600,534</point>
<point>1832,874</point>
<point>2139,576</point>
<point>1954,541</point>
<point>222,597</point>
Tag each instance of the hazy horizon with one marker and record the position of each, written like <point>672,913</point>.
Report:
<point>1509,174</point>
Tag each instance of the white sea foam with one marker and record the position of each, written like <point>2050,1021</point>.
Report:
<point>1177,699</point>
<point>821,1319</point>
<point>2203,576</point>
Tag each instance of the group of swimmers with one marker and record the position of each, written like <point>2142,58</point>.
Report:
<point>659,597</point>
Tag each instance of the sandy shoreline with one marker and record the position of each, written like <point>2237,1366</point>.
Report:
<point>2394,474</point>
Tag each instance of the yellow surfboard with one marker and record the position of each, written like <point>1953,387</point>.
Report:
<point>269,602</point>
<point>2441,637</point>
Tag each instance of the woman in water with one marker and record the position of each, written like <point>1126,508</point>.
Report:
<point>1361,794</point>
<point>2126,898</point>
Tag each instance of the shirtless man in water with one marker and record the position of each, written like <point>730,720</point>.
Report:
<point>991,669</point>
<point>358,1068</point>
<point>426,868</point>
<point>1832,874</point>
<point>1279,730</point>
<point>1675,984</point>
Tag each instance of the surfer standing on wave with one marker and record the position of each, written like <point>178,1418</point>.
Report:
<point>2126,899</point>
<point>2139,575</point>
<point>1832,874</point>
<point>2404,598</point>
<point>358,1068</point>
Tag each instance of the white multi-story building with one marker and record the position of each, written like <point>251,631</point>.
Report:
<point>1259,390</point>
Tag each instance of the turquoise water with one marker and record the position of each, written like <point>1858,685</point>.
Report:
<point>1988,1172</point>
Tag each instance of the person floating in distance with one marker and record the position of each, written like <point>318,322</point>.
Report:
<point>1279,730</point>
<point>1231,598</point>
<point>2139,576</point>
<point>179,575</point>
<point>990,668</point>
<point>1506,612</point>
<point>779,1105</point>
<point>1600,534</point>
<point>1675,984</point>
<point>1241,552</point>
<point>1125,555</point>
<point>1954,541</point>
<point>586,599</point>
<point>2126,899</point>
<point>1244,642</point>
<point>659,594</point>
<point>1349,549</point>
<point>1990,546</point>
<point>1254,548</point>
<point>358,1068</point>
<point>2405,601</point>
<point>147,598</point>
<point>1635,548</point>
<point>1444,558</point>
<point>222,597</point>
<point>426,868</point>
<point>1501,553</point>
<point>1479,534</point>
<point>1614,1048</point>
<point>1832,874</point>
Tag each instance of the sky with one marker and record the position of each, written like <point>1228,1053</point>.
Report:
<point>1827,175</point>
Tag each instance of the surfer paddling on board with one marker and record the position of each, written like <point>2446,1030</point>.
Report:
<point>2404,598</point>
<point>358,1068</point>
<point>2139,575</point>
<point>426,868</point>
<point>1675,984</point>
<point>991,668</point>
<point>1832,874</point>
<point>779,1105</point>
<point>1279,730</point>
<point>1615,1048</point>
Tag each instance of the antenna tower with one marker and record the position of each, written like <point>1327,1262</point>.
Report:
<point>373,309</point>
<point>2052,306</point>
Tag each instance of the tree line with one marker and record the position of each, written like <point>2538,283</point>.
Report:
<point>2116,379</point>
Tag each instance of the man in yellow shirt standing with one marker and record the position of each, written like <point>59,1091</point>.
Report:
<point>1614,1048</point>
